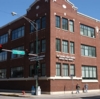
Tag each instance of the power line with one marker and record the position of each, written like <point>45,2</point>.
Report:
<point>4,11</point>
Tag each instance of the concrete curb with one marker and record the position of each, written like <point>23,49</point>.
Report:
<point>13,95</point>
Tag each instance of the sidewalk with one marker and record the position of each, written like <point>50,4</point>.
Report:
<point>69,95</point>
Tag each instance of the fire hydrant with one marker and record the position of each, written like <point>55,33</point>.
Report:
<point>23,92</point>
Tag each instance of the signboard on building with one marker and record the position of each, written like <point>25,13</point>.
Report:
<point>66,58</point>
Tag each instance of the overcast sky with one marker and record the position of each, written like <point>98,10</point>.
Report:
<point>88,7</point>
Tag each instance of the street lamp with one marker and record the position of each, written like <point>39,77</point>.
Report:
<point>35,25</point>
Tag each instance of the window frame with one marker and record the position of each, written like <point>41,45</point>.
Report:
<point>65,23</point>
<point>87,31</point>
<point>58,44</point>
<point>57,23</point>
<point>88,71</point>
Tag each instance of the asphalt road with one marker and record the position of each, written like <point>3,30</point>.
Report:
<point>51,97</point>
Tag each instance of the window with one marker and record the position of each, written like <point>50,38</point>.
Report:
<point>4,39</point>
<point>31,47</point>
<point>72,69</point>
<point>72,48</point>
<point>71,26</point>
<point>2,73</point>
<point>65,70</point>
<point>43,45</point>
<point>33,27</point>
<point>58,21</point>
<point>39,47</point>
<point>88,51</point>
<point>43,22</point>
<point>38,22</point>
<point>3,56</point>
<point>17,55</point>
<point>43,70</point>
<point>58,69</point>
<point>32,71</point>
<point>34,46</point>
<point>87,31</point>
<point>16,72</point>
<point>89,72</point>
<point>65,46</point>
<point>58,45</point>
<point>18,33</point>
<point>64,23</point>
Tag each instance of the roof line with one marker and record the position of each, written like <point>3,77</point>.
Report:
<point>71,4</point>
<point>12,21</point>
<point>32,4</point>
<point>88,16</point>
<point>82,13</point>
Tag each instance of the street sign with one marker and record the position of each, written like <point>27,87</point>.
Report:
<point>18,52</point>
<point>37,58</point>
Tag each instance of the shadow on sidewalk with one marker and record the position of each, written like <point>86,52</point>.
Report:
<point>91,97</point>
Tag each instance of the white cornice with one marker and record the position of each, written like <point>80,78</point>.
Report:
<point>88,16</point>
<point>73,6</point>
<point>82,13</point>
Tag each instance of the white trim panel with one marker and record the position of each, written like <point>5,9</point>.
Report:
<point>93,80</point>
<point>41,78</point>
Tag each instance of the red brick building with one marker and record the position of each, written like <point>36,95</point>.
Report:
<point>68,41</point>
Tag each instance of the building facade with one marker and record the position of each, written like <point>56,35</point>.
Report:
<point>68,46</point>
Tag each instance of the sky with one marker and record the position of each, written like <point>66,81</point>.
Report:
<point>88,7</point>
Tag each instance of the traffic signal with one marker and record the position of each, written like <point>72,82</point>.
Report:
<point>0,48</point>
<point>27,52</point>
<point>37,64</point>
<point>39,72</point>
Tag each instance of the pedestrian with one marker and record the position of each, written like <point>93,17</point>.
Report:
<point>77,88</point>
<point>85,87</point>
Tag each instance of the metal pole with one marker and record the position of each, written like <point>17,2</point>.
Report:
<point>36,28</point>
<point>72,85</point>
<point>37,54</point>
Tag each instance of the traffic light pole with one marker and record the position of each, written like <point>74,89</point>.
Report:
<point>35,25</point>
<point>37,54</point>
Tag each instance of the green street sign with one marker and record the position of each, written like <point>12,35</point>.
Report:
<point>18,52</point>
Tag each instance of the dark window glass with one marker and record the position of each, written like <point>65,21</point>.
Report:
<point>4,39</point>
<point>71,26</point>
<point>58,21</point>
<point>33,27</point>
<point>31,47</point>
<point>16,72</point>
<point>72,69</point>
<point>89,72</point>
<point>43,70</point>
<point>65,70</point>
<point>58,69</point>
<point>43,22</point>
<point>64,23</point>
<point>3,56</point>
<point>38,22</point>
<point>88,51</point>
<point>72,48</point>
<point>87,31</point>
<point>65,46</point>
<point>32,71</point>
<point>2,73</point>
<point>58,45</point>
<point>18,33</point>
<point>43,45</point>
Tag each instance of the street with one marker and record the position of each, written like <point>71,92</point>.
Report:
<point>75,96</point>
